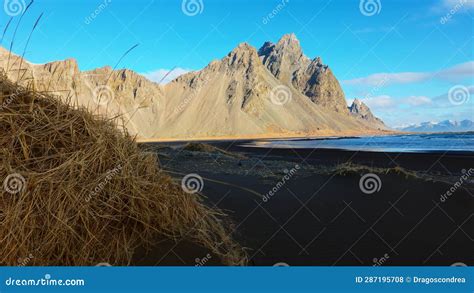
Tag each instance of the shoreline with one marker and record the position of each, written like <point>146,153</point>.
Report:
<point>265,145</point>
<point>286,137</point>
<point>269,137</point>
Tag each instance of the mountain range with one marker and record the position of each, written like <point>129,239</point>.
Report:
<point>443,126</point>
<point>275,91</point>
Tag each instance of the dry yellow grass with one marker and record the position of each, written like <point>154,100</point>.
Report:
<point>89,194</point>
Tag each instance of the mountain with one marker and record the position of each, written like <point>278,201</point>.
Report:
<point>273,92</point>
<point>361,111</point>
<point>286,61</point>
<point>104,91</point>
<point>232,96</point>
<point>443,126</point>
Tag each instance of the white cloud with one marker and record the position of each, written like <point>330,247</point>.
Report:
<point>443,100</point>
<point>466,4</point>
<point>387,78</point>
<point>385,102</point>
<point>452,6</point>
<point>164,76</point>
<point>380,102</point>
<point>459,71</point>
<point>453,74</point>
<point>416,109</point>
<point>417,101</point>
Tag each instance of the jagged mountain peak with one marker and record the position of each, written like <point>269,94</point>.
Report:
<point>100,71</point>
<point>266,48</point>
<point>242,47</point>
<point>358,108</point>
<point>283,58</point>
<point>289,41</point>
<point>318,62</point>
<point>69,61</point>
<point>68,67</point>
<point>245,50</point>
<point>290,37</point>
<point>107,72</point>
<point>288,47</point>
<point>244,56</point>
<point>361,111</point>
<point>287,62</point>
<point>357,105</point>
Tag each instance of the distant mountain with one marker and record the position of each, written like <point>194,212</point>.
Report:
<point>443,126</point>
<point>274,92</point>
<point>361,111</point>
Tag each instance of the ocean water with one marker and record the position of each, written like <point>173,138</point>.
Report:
<point>442,142</point>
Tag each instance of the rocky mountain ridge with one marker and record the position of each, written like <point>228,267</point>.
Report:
<point>273,92</point>
<point>361,111</point>
<point>286,61</point>
<point>442,126</point>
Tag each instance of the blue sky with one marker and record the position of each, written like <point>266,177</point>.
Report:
<point>403,60</point>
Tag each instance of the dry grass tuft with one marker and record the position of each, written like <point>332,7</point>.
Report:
<point>207,148</point>
<point>349,168</point>
<point>89,194</point>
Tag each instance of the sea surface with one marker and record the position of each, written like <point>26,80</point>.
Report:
<point>412,143</point>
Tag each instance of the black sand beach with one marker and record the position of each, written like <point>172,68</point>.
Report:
<point>319,215</point>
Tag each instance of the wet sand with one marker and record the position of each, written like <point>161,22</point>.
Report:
<point>277,135</point>
<point>320,216</point>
